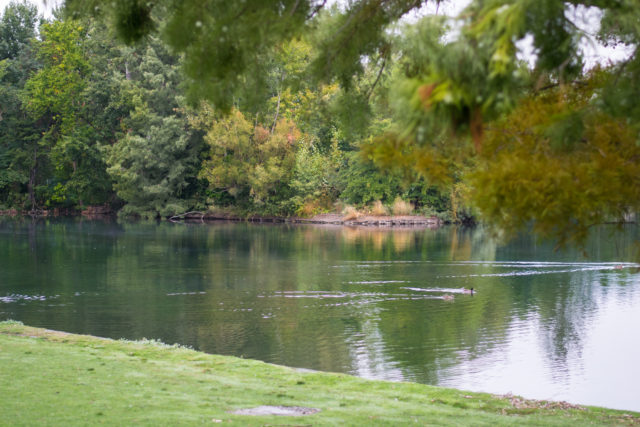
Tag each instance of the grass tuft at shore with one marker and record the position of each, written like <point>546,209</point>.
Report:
<point>55,378</point>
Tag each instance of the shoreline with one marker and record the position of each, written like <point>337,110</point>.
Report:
<point>51,377</point>
<point>389,221</point>
<point>417,221</point>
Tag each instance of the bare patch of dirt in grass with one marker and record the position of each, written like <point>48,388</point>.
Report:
<point>523,406</point>
<point>521,403</point>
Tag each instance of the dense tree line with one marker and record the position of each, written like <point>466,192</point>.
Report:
<point>87,120</point>
<point>287,106</point>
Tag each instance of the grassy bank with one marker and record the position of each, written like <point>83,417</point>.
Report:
<point>54,378</point>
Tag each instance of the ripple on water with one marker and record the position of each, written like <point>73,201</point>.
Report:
<point>18,297</point>
<point>377,282</point>
<point>173,294</point>
<point>535,267</point>
<point>439,290</point>
<point>353,297</point>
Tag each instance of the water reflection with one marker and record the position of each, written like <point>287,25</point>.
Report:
<point>360,300</point>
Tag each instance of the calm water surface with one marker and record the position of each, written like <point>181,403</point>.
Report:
<point>543,324</point>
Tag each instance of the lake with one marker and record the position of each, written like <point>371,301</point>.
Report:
<point>364,301</point>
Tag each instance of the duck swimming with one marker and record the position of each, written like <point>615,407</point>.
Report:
<point>447,297</point>
<point>468,291</point>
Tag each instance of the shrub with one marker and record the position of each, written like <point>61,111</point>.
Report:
<point>378,209</point>
<point>362,183</point>
<point>339,206</point>
<point>350,213</point>
<point>400,207</point>
<point>310,208</point>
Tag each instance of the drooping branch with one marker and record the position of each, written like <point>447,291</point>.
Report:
<point>182,216</point>
<point>373,86</point>
<point>317,9</point>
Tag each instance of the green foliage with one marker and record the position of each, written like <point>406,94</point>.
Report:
<point>150,169</point>
<point>20,159</point>
<point>54,90</point>
<point>362,183</point>
<point>154,160</point>
<point>443,90</point>
<point>525,177</point>
<point>452,86</point>
<point>352,112</point>
<point>343,37</point>
<point>84,119</point>
<point>222,41</point>
<point>251,163</point>
<point>295,97</point>
<point>17,28</point>
<point>316,183</point>
<point>56,98</point>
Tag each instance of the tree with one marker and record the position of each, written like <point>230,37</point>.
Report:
<point>154,161</point>
<point>17,28</point>
<point>223,41</point>
<point>559,164</point>
<point>315,183</point>
<point>56,96</point>
<point>252,164</point>
<point>451,92</point>
<point>538,135</point>
<point>19,133</point>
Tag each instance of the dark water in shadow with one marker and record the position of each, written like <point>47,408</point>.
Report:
<point>542,324</point>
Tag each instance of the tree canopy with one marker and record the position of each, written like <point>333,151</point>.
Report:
<point>552,142</point>
<point>249,95</point>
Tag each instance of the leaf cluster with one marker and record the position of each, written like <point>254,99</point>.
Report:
<point>529,175</point>
<point>248,160</point>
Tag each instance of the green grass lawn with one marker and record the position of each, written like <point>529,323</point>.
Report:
<point>54,378</point>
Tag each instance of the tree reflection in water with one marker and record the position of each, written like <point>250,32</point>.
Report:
<point>366,301</point>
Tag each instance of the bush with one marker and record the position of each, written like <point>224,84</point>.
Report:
<point>314,184</point>
<point>378,209</point>
<point>362,183</point>
<point>400,207</point>
<point>313,207</point>
<point>350,213</point>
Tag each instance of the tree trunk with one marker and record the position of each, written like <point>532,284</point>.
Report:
<point>275,119</point>
<point>32,179</point>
